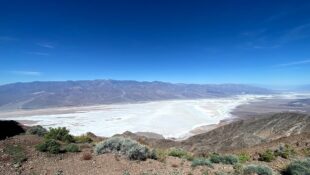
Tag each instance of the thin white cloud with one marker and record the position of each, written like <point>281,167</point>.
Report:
<point>46,45</point>
<point>28,73</point>
<point>295,63</point>
<point>39,53</point>
<point>261,39</point>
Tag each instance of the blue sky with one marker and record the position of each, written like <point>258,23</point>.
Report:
<point>253,42</point>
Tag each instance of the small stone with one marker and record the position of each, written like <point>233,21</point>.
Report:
<point>16,165</point>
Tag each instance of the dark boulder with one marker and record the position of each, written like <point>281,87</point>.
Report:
<point>9,128</point>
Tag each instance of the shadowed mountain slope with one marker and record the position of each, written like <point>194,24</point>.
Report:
<point>254,131</point>
<point>238,135</point>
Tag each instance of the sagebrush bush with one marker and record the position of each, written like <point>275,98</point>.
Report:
<point>82,139</point>
<point>201,162</point>
<point>50,146</point>
<point>244,157</point>
<point>298,168</point>
<point>180,153</point>
<point>267,156</point>
<point>225,159</point>
<point>60,133</point>
<point>72,148</point>
<point>229,159</point>
<point>37,130</point>
<point>257,169</point>
<point>130,148</point>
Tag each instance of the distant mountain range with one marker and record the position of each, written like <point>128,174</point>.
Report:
<point>36,95</point>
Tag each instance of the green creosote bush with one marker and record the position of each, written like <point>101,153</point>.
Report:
<point>299,167</point>
<point>244,157</point>
<point>257,169</point>
<point>37,130</point>
<point>180,153</point>
<point>201,162</point>
<point>50,146</point>
<point>267,156</point>
<point>60,133</point>
<point>130,148</point>
<point>82,139</point>
<point>72,148</point>
<point>159,154</point>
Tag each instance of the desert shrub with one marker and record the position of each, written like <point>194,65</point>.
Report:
<point>284,151</point>
<point>257,169</point>
<point>16,152</point>
<point>238,168</point>
<point>215,158</point>
<point>86,156</point>
<point>160,154</point>
<point>267,156</point>
<point>50,146</point>
<point>229,159</point>
<point>244,157</point>
<point>225,159</point>
<point>60,133</point>
<point>130,148</point>
<point>180,153</point>
<point>298,168</point>
<point>82,139</point>
<point>201,162</point>
<point>72,148</point>
<point>37,130</point>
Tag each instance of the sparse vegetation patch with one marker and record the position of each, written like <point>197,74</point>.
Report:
<point>267,156</point>
<point>82,139</point>
<point>201,162</point>
<point>284,151</point>
<point>130,148</point>
<point>50,146</point>
<point>298,168</point>
<point>72,148</point>
<point>180,153</point>
<point>257,170</point>
<point>16,152</point>
<point>37,130</point>
<point>225,159</point>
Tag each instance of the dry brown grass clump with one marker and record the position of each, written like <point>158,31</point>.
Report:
<point>86,156</point>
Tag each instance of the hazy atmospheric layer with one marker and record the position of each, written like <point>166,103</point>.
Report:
<point>170,118</point>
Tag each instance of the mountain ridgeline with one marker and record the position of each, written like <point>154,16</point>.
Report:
<point>36,95</point>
